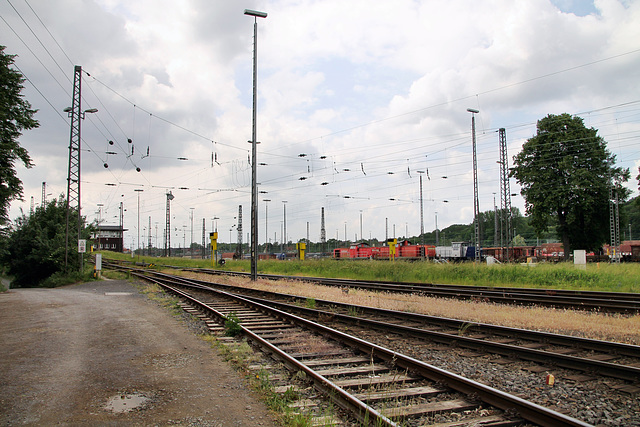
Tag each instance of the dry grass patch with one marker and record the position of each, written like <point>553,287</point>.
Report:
<point>625,329</point>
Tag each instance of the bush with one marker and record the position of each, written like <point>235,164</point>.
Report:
<point>34,250</point>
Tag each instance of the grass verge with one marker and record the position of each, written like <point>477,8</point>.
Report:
<point>595,277</point>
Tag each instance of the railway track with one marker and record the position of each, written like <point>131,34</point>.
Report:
<point>589,356</point>
<point>606,302</point>
<point>376,385</point>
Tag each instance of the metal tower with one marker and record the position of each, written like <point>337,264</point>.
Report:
<point>73,176</point>
<point>476,201</point>
<point>505,195</point>
<point>167,233</point>
<point>239,247</point>
<point>614,225</point>
<point>323,232</point>
<point>121,243</point>
<point>204,247</point>
<point>43,200</point>
<point>421,212</point>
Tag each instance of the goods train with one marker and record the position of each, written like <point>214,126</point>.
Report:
<point>458,251</point>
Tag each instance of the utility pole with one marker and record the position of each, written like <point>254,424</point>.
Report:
<point>239,247</point>
<point>167,233</point>
<point>138,190</point>
<point>505,195</point>
<point>121,243</point>
<point>614,224</point>
<point>476,202</point>
<point>421,209</point>
<point>386,229</point>
<point>284,214</point>
<point>204,247</point>
<point>266,224</point>
<point>73,177</point>
<point>191,242</point>
<point>254,150</point>
<point>323,232</point>
<point>495,221</point>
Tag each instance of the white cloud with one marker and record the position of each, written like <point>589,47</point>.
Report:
<point>376,87</point>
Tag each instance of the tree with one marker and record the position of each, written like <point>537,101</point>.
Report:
<point>566,174</point>
<point>16,115</point>
<point>35,248</point>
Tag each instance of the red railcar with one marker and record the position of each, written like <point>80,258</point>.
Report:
<point>404,250</point>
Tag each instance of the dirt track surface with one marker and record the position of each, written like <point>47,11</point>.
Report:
<point>65,352</point>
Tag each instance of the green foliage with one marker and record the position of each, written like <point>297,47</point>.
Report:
<point>232,325</point>
<point>566,172</point>
<point>16,115</point>
<point>630,219</point>
<point>35,249</point>
<point>310,303</point>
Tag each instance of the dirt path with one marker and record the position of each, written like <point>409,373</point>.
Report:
<point>66,352</point>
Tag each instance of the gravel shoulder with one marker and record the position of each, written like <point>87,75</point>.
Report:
<point>100,353</point>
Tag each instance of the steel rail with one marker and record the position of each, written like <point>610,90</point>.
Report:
<point>551,338</point>
<point>625,372</point>
<point>611,302</point>
<point>348,402</point>
<point>525,409</point>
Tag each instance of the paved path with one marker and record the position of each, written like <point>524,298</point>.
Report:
<point>66,352</point>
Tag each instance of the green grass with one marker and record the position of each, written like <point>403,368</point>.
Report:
<point>596,277</point>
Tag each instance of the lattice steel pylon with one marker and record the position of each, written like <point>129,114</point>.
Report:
<point>323,232</point>
<point>167,233</point>
<point>505,195</point>
<point>476,201</point>
<point>614,225</point>
<point>204,246</point>
<point>73,177</point>
<point>239,247</point>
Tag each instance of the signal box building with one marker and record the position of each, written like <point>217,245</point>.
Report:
<point>109,238</point>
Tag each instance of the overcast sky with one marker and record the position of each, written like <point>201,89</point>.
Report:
<point>354,99</point>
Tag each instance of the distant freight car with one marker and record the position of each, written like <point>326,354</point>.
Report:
<point>457,251</point>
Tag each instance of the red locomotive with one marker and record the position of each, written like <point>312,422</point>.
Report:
<point>404,250</point>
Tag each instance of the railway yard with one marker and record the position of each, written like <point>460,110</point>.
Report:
<point>328,352</point>
<point>420,360</point>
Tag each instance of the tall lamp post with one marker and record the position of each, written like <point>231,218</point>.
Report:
<point>266,223</point>
<point>476,203</point>
<point>138,190</point>
<point>284,216</point>
<point>254,164</point>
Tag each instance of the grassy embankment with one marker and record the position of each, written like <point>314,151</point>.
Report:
<point>596,277</point>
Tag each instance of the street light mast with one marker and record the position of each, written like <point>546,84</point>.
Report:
<point>254,150</point>
<point>476,202</point>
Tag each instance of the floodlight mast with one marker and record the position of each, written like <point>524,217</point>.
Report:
<point>476,202</point>
<point>255,13</point>
<point>254,155</point>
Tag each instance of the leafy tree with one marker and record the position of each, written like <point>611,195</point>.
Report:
<point>630,219</point>
<point>566,173</point>
<point>15,115</point>
<point>35,249</point>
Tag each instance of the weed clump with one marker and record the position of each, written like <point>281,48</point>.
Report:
<point>232,325</point>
